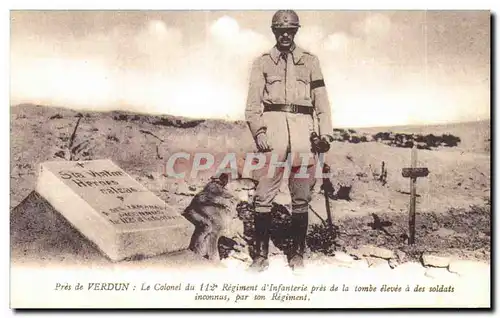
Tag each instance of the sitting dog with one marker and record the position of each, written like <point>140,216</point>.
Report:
<point>212,211</point>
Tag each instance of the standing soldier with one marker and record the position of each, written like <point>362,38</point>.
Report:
<point>286,91</point>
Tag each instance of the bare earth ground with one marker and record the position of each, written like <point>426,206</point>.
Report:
<point>453,207</point>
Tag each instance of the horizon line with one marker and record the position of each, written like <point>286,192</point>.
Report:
<point>83,109</point>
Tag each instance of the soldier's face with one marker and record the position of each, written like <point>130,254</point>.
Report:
<point>285,37</point>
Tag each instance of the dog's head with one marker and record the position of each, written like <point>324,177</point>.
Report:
<point>222,179</point>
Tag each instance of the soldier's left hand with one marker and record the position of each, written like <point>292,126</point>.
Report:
<point>324,144</point>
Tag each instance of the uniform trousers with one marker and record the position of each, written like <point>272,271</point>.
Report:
<point>301,181</point>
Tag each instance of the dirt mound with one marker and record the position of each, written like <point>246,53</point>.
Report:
<point>465,233</point>
<point>39,233</point>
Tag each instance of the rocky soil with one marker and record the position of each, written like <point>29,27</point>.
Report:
<point>370,218</point>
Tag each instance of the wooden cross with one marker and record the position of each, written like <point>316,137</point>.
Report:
<point>413,173</point>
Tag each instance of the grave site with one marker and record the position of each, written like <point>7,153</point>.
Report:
<point>90,189</point>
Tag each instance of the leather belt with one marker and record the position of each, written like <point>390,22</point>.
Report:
<point>290,108</point>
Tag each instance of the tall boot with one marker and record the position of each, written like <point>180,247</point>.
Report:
<point>300,222</point>
<point>262,227</point>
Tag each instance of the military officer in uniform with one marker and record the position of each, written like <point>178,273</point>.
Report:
<point>286,97</point>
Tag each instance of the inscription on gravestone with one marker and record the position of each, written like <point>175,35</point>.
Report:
<point>110,208</point>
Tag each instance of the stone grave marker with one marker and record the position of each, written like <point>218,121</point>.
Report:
<point>110,208</point>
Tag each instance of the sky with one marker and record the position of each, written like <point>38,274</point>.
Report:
<point>381,68</point>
